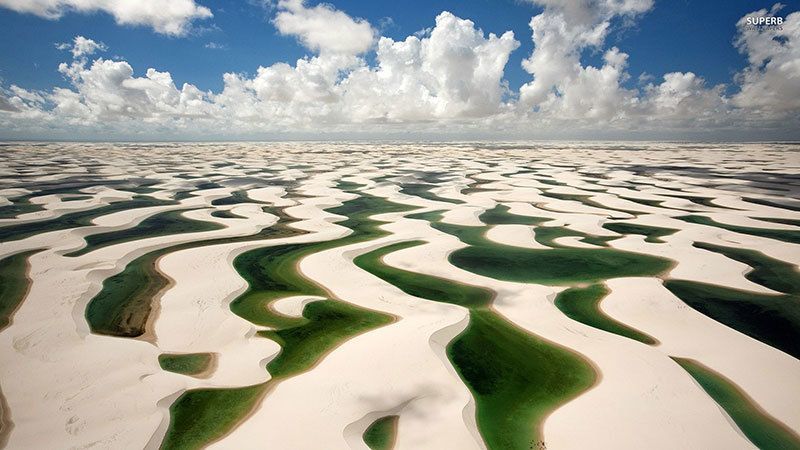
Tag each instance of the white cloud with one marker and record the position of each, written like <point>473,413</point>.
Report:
<point>771,83</point>
<point>6,105</point>
<point>682,100</point>
<point>456,72</point>
<point>323,29</point>
<point>108,91</point>
<point>82,46</point>
<point>25,105</point>
<point>452,72</point>
<point>561,85</point>
<point>449,79</point>
<point>171,17</point>
<point>565,92</point>
<point>215,46</point>
<point>586,13</point>
<point>282,96</point>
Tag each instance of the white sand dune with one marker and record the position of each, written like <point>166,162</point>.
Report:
<point>403,368</point>
<point>54,207</point>
<point>624,401</point>
<point>514,235</point>
<point>68,388</point>
<point>111,394</point>
<point>293,306</point>
<point>693,264</point>
<point>768,375</point>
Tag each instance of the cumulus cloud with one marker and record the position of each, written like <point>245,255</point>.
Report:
<point>323,29</point>
<point>284,96</point>
<point>564,90</point>
<point>448,78</point>
<point>455,71</point>
<point>108,91</point>
<point>771,83</point>
<point>561,85</point>
<point>684,100</point>
<point>171,17</point>
<point>82,46</point>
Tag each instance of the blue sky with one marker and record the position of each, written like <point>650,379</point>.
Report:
<point>599,68</point>
<point>675,35</point>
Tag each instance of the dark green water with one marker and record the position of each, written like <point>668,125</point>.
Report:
<point>162,224</point>
<point>763,430</point>
<point>186,363</point>
<point>517,378</point>
<point>772,319</point>
<point>583,305</point>
<point>271,273</point>
<point>555,266</point>
<point>75,219</point>
<point>424,191</point>
<point>124,303</point>
<point>652,234</point>
<point>382,433</point>
<point>14,285</point>
<point>791,236</point>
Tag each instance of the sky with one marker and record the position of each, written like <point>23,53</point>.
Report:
<point>461,69</point>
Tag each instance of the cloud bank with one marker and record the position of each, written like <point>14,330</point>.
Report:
<point>170,17</point>
<point>447,80</point>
